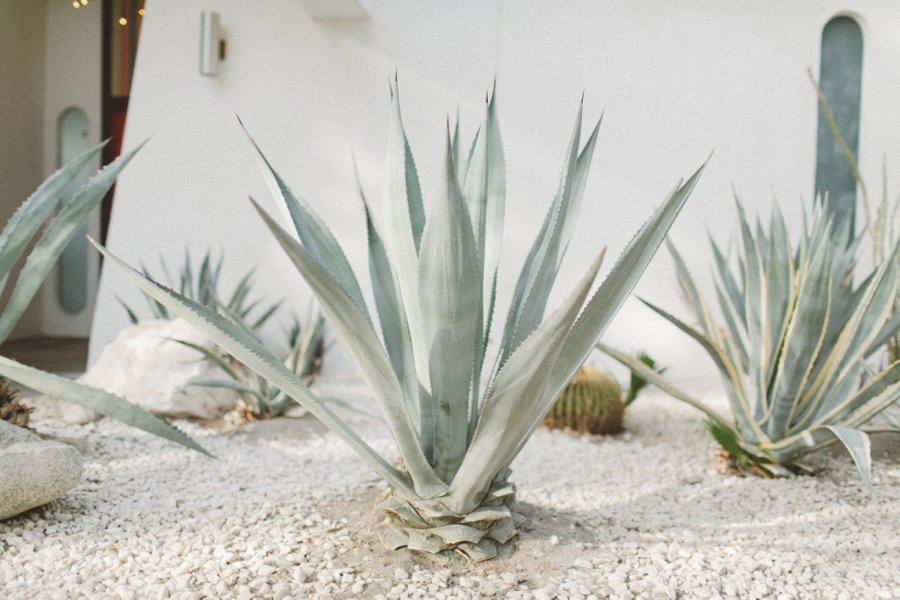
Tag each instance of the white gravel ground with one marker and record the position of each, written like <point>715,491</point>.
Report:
<point>285,512</point>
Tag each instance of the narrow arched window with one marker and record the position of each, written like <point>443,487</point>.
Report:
<point>840,78</point>
<point>73,139</point>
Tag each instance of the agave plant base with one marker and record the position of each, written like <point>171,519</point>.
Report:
<point>429,526</point>
<point>727,463</point>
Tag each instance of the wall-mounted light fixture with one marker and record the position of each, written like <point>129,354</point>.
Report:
<point>212,46</point>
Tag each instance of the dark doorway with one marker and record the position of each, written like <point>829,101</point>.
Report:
<point>121,29</point>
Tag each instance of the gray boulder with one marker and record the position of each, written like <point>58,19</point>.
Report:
<point>33,471</point>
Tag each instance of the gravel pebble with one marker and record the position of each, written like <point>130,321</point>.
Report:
<point>645,516</point>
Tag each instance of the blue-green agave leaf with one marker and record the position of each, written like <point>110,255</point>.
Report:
<point>250,351</point>
<point>802,342</point>
<point>312,232</point>
<point>736,337</point>
<point>890,329</point>
<point>737,389</point>
<point>97,400</point>
<point>566,208</point>
<point>394,327</point>
<point>730,284</point>
<point>450,288</point>
<point>617,286</point>
<point>517,397</point>
<point>361,341</point>
<point>55,238</point>
<point>28,218</point>
<point>403,222</point>
<point>656,378</point>
<point>860,448</point>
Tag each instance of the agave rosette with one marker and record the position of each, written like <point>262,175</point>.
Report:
<point>798,353</point>
<point>434,285</point>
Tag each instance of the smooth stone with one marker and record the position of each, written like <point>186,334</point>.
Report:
<point>145,366</point>
<point>33,472</point>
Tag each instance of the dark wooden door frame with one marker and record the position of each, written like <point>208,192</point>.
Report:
<point>114,107</point>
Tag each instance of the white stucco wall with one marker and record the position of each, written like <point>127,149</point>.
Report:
<point>676,81</point>
<point>21,115</point>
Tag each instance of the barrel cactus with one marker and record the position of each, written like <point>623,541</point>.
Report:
<point>591,403</point>
<point>423,351</point>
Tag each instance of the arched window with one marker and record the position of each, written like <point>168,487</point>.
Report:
<point>840,78</point>
<point>73,139</point>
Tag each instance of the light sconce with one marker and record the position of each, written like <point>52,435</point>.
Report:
<point>212,46</point>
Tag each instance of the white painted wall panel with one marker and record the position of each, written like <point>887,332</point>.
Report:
<point>677,80</point>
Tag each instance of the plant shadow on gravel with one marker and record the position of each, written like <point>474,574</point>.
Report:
<point>280,429</point>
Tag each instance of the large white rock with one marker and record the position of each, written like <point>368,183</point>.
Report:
<point>33,471</point>
<point>145,366</point>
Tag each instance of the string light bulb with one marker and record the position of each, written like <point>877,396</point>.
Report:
<point>76,4</point>
<point>123,21</point>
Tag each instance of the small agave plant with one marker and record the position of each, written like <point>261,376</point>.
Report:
<point>434,283</point>
<point>798,353</point>
<point>258,398</point>
<point>46,222</point>
<point>204,287</point>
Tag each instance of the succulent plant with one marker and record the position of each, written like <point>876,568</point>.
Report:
<point>258,398</point>
<point>591,403</point>
<point>46,222</point>
<point>636,383</point>
<point>798,352</point>
<point>434,284</point>
<point>11,408</point>
<point>882,227</point>
<point>204,288</point>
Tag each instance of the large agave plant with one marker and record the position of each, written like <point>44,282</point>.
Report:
<point>47,221</point>
<point>796,352</point>
<point>434,283</point>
